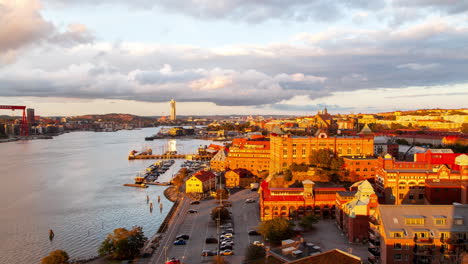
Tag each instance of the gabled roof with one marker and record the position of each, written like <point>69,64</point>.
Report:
<point>243,173</point>
<point>204,176</point>
<point>366,130</point>
<point>334,256</point>
<point>220,156</point>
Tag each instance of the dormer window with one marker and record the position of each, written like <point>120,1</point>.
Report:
<point>414,220</point>
<point>440,220</point>
<point>458,220</point>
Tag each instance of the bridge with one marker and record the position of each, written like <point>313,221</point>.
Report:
<point>24,128</point>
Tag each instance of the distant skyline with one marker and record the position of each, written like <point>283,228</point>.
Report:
<point>232,56</point>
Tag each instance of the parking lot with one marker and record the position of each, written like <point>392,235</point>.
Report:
<point>199,226</point>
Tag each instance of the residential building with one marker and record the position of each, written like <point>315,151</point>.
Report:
<point>445,191</point>
<point>200,182</point>
<point>407,234</point>
<point>239,178</point>
<point>333,256</point>
<point>219,161</point>
<point>402,182</point>
<point>360,167</point>
<point>297,202</point>
<point>354,214</point>
<point>287,149</point>
<point>253,155</point>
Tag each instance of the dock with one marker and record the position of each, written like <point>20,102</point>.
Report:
<point>136,185</point>
<point>158,183</point>
<point>171,156</point>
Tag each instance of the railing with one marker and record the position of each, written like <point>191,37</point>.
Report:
<point>423,240</point>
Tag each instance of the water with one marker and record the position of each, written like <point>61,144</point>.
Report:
<point>73,185</point>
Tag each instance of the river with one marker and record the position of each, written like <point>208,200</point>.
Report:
<point>73,185</point>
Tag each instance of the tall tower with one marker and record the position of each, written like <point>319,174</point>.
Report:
<point>173,109</point>
<point>30,116</point>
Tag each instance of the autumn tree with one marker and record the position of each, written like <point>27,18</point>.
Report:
<point>220,212</point>
<point>123,243</point>
<point>56,257</point>
<point>254,252</point>
<point>222,194</point>
<point>276,229</point>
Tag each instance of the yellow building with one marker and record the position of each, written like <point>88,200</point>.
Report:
<point>253,155</point>
<point>286,149</point>
<point>239,178</point>
<point>200,182</point>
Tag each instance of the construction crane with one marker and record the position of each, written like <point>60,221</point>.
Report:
<point>24,128</point>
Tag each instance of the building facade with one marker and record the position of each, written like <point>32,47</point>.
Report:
<point>253,155</point>
<point>173,110</point>
<point>200,182</point>
<point>353,215</point>
<point>297,202</point>
<point>402,182</point>
<point>407,234</point>
<point>219,161</point>
<point>286,149</point>
<point>360,167</point>
<point>239,178</point>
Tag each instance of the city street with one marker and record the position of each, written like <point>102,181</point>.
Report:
<point>199,226</point>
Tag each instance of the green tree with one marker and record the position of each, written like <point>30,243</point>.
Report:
<point>123,243</point>
<point>220,212</point>
<point>222,194</point>
<point>308,221</point>
<point>254,252</point>
<point>56,257</point>
<point>276,229</point>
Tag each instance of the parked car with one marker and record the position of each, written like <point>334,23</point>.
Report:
<point>183,236</point>
<point>225,247</point>
<point>254,233</point>
<point>173,261</point>
<point>227,243</point>
<point>192,211</point>
<point>228,235</point>
<point>249,201</point>
<point>226,252</point>
<point>258,243</point>
<point>180,242</point>
<point>227,225</point>
<point>195,202</point>
<point>253,190</point>
<point>228,230</point>
<point>211,240</point>
<point>227,204</point>
<point>207,252</point>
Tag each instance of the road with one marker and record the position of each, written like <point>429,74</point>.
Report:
<point>199,226</point>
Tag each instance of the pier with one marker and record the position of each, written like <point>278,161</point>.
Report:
<point>171,156</point>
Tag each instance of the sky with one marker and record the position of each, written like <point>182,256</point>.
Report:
<point>253,57</point>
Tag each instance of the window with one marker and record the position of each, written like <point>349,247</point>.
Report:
<point>458,220</point>
<point>397,257</point>
<point>400,196</point>
<point>406,246</point>
<point>396,234</point>
<point>411,196</point>
<point>421,196</point>
<point>414,221</point>
<point>397,246</point>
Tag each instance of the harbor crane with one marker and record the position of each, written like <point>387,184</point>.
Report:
<point>24,128</point>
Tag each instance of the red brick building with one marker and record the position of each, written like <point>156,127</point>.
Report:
<point>297,202</point>
<point>360,167</point>
<point>352,215</point>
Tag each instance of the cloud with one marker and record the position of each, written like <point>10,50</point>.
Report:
<point>418,67</point>
<point>313,65</point>
<point>252,11</point>
<point>22,25</point>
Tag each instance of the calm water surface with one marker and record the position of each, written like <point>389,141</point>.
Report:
<point>73,185</point>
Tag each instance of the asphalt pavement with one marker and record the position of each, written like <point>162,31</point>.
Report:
<point>199,226</point>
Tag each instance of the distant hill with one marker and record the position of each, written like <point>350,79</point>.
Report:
<point>114,117</point>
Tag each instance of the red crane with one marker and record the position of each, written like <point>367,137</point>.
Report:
<point>24,128</point>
